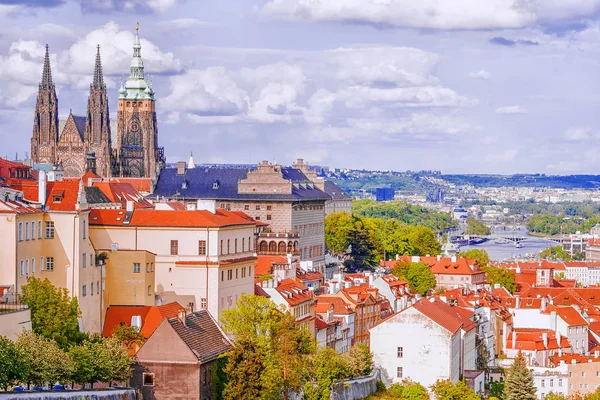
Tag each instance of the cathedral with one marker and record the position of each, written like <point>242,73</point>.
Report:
<point>127,148</point>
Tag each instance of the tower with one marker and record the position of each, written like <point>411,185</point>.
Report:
<point>97,121</point>
<point>45,122</point>
<point>137,134</point>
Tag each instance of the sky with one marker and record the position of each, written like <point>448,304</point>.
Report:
<point>461,86</point>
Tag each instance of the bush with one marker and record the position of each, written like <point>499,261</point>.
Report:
<point>359,360</point>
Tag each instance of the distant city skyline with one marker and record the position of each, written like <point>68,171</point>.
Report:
<point>501,86</point>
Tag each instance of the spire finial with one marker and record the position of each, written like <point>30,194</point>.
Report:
<point>98,82</point>
<point>137,25</point>
<point>47,73</point>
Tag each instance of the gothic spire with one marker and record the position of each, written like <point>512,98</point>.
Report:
<point>47,74</point>
<point>137,65</point>
<point>98,82</point>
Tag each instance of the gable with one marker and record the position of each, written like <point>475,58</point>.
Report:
<point>72,132</point>
<point>165,345</point>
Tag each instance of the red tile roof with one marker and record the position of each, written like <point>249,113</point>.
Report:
<point>168,218</point>
<point>119,192</point>
<point>62,195</point>
<point>444,315</point>
<point>532,339</point>
<point>151,316</point>
<point>294,293</point>
<point>462,266</point>
<point>264,264</point>
<point>142,185</point>
<point>339,305</point>
<point>571,316</point>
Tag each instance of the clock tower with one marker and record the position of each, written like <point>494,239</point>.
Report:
<point>138,154</point>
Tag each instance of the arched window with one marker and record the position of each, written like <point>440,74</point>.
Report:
<point>263,246</point>
<point>281,247</point>
<point>273,247</point>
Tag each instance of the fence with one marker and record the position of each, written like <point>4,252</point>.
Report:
<point>12,304</point>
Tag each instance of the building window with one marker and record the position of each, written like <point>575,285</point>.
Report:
<point>257,208</point>
<point>243,272</point>
<point>235,246</point>
<point>148,379</point>
<point>174,247</point>
<point>229,301</point>
<point>91,259</point>
<point>203,303</point>
<point>149,290</point>
<point>32,230</point>
<point>92,289</point>
<point>236,273</point>
<point>41,263</point>
<point>97,287</point>
<point>250,271</point>
<point>27,267</point>
<point>49,263</point>
<point>243,244</point>
<point>399,372</point>
<point>84,260</point>
<point>84,290</point>
<point>20,231</point>
<point>221,250</point>
<point>151,267</point>
<point>560,382</point>
<point>22,267</point>
<point>222,276</point>
<point>33,265</point>
<point>26,230</point>
<point>84,229</point>
<point>268,208</point>
<point>39,229</point>
<point>229,274</point>
<point>228,249</point>
<point>400,352</point>
<point>136,267</point>
<point>147,267</point>
<point>201,247</point>
<point>50,230</point>
<point>268,217</point>
<point>246,207</point>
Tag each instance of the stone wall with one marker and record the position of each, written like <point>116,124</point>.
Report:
<point>13,323</point>
<point>111,394</point>
<point>354,389</point>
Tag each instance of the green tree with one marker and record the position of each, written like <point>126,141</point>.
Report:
<point>115,360</point>
<point>496,389</point>
<point>85,366</point>
<point>244,371</point>
<point>129,336</point>
<point>446,390</point>
<point>418,275</point>
<point>46,362</point>
<point>555,253</point>
<point>13,369</point>
<point>337,227</point>
<point>219,376</point>
<point>54,314</point>
<point>479,255</point>
<point>327,368</point>
<point>519,381</point>
<point>501,276</point>
<point>408,390</point>
<point>359,360</point>
<point>555,396</point>
<point>362,254</point>
<point>475,227</point>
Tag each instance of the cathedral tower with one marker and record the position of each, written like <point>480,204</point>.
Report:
<point>97,121</point>
<point>137,137</point>
<point>45,122</point>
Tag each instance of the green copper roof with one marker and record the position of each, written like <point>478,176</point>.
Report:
<point>136,87</point>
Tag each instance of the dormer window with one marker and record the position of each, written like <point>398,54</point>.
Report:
<point>57,196</point>
<point>216,185</point>
<point>184,184</point>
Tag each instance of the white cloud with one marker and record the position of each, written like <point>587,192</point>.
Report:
<point>182,23</point>
<point>434,14</point>
<point>564,166</point>
<point>425,96</point>
<point>481,74</point>
<point>511,110</point>
<point>504,156</point>
<point>578,133</point>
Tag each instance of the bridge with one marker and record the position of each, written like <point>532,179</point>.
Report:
<point>476,239</point>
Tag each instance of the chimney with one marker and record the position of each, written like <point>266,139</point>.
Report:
<point>348,284</point>
<point>207,205</point>
<point>553,320</point>
<point>181,316</point>
<point>514,340</point>
<point>397,257</point>
<point>558,338</point>
<point>453,259</point>
<point>42,188</point>
<point>415,259</point>
<point>517,301</point>
<point>596,353</point>
<point>129,206</point>
<point>180,167</point>
<point>545,339</point>
<point>544,303</point>
<point>439,257</point>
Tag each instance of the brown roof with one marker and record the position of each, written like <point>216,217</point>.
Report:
<point>444,315</point>
<point>202,335</point>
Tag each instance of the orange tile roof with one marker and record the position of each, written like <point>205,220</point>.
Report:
<point>571,316</point>
<point>444,315</point>
<point>462,266</point>
<point>151,316</point>
<point>293,292</point>
<point>264,264</point>
<point>29,187</point>
<point>532,339</point>
<point>119,192</point>
<point>339,305</point>
<point>89,175</point>
<point>62,195</point>
<point>167,218</point>
<point>569,358</point>
<point>143,185</point>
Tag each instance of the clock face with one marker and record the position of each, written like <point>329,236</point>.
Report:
<point>135,126</point>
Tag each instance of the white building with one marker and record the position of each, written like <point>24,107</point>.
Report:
<point>424,343</point>
<point>555,380</point>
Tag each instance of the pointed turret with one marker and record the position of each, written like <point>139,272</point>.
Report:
<point>191,163</point>
<point>98,82</point>
<point>46,82</point>
<point>136,87</point>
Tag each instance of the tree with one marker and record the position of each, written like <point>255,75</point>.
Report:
<point>244,371</point>
<point>479,255</point>
<point>219,376</point>
<point>53,314</point>
<point>359,360</point>
<point>501,276</point>
<point>115,359</point>
<point>12,367</point>
<point>326,368</point>
<point>408,390</point>
<point>519,381</point>
<point>418,275</point>
<point>555,253</point>
<point>475,227</point>
<point>446,390</point>
<point>362,254</point>
<point>129,336</point>
<point>46,362</point>
<point>555,396</point>
<point>337,226</point>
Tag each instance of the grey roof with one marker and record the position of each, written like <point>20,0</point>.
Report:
<point>95,196</point>
<point>222,184</point>
<point>202,335</point>
<point>79,124</point>
<point>336,192</point>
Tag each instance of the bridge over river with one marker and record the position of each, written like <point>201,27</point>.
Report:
<point>498,238</point>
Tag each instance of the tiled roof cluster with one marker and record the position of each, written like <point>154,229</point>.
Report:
<point>293,292</point>
<point>151,317</point>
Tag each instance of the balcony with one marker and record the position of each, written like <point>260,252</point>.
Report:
<point>278,253</point>
<point>279,235</point>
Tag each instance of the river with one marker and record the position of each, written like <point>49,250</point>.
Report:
<point>501,251</point>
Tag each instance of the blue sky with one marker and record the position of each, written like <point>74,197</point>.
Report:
<point>465,86</point>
